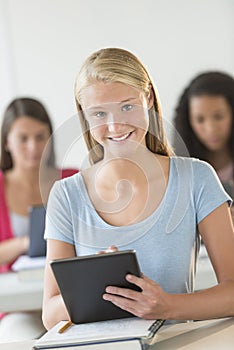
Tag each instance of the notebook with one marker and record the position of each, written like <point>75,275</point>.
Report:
<point>128,333</point>
<point>82,281</point>
<point>37,245</point>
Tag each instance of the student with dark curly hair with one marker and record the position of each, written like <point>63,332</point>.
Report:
<point>204,121</point>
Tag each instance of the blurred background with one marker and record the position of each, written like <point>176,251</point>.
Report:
<point>43,43</point>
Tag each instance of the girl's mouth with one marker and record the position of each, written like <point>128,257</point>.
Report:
<point>121,138</point>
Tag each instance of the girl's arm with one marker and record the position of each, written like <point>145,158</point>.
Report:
<point>54,310</point>
<point>216,302</point>
<point>12,248</point>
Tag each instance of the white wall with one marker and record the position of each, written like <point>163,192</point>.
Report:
<point>44,42</point>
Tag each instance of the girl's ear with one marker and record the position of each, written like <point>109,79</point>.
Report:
<point>150,99</point>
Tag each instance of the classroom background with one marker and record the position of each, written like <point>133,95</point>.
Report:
<point>43,43</point>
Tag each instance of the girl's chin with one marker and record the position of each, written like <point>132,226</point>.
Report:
<point>214,147</point>
<point>123,152</point>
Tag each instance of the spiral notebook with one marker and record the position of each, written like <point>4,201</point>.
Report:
<point>118,334</point>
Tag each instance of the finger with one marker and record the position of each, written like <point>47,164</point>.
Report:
<point>123,303</point>
<point>149,280</point>
<point>123,292</point>
<point>132,306</point>
<point>141,282</point>
<point>100,252</point>
<point>111,249</point>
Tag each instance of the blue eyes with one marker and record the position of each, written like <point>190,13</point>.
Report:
<point>127,108</point>
<point>101,114</point>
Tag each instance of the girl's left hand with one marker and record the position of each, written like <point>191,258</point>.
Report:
<point>110,249</point>
<point>151,303</point>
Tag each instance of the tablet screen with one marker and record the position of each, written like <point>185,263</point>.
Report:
<point>82,281</point>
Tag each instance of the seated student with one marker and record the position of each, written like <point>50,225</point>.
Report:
<point>26,129</point>
<point>137,195</point>
<point>204,120</point>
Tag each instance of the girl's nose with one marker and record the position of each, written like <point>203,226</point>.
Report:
<point>32,145</point>
<point>114,126</point>
<point>114,121</point>
<point>210,127</point>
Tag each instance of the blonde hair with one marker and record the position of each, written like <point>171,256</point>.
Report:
<point>115,65</point>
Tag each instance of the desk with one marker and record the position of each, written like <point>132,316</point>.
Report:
<point>203,335</point>
<point>16,295</point>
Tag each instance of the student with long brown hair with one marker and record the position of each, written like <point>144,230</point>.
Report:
<point>26,177</point>
<point>137,195</point>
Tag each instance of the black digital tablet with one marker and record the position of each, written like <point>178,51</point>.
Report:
<point>82,281</point>
<point>37,244</point>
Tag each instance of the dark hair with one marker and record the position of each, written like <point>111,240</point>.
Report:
<point>17,108</point>
<point>208,83</point>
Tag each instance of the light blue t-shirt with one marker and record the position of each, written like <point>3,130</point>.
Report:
<point>165,242</point>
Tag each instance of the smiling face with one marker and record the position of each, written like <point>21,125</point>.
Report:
<point>211,120</point>
<point>26,142</point>
<point>117,115</point>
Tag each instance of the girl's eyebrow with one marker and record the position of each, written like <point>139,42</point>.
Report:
<point>38,133</point>
<point>129,99</point>
<point>108,103</point>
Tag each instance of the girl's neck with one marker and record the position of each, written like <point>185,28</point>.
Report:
<point>129,167</point>
<point>27,176</point>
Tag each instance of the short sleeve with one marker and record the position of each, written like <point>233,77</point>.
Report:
<point>58,215</point>
<point>209,192</point>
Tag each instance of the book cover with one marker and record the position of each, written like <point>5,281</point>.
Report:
<point>131,344</point>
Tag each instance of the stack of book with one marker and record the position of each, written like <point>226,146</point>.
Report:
<point>29,269</point>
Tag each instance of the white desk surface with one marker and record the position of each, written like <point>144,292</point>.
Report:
<point>202,335</point>
<point>16,295</point>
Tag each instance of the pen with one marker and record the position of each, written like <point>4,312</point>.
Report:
<point>65,326</point>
